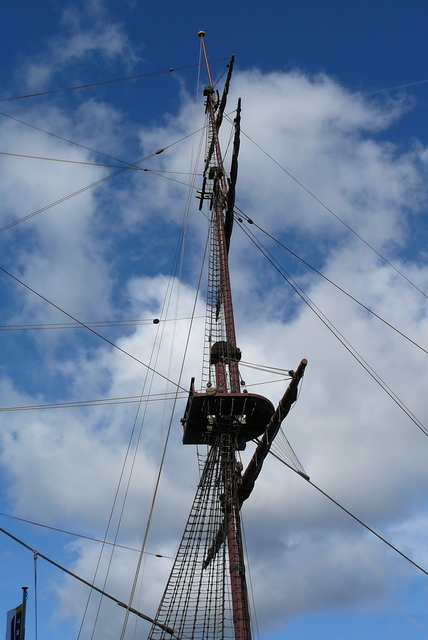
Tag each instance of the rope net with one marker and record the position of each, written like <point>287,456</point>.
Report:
<point>197,600</point>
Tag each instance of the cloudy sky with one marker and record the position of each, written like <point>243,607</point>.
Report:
<point>333,166</point>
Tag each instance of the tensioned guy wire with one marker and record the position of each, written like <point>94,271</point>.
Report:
<point>331,327</point>
<point>363,524</point>
<point>91,586</point>
<point>99,335</point>
<point>81,535</point>
<point>322,275</point>
<point>96,183</point>
<point>137,76</point>
<point>335,215</point>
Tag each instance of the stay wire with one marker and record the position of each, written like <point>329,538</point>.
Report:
<point>58,137</point>
<point>61,200</point>
<point>92,586</point>
<point>99,335</point>
<point>99,323</point>
<point>396,88</point>
<point>178,267</point>
<point>154,354</point>
<point>149,520</point>
<point>128,167</point>
<point>81,535</point>
<point>76,404</point>
<point>156,349</point>
<point>172,412</point>
<point>346,293</point>
<point>345,224</point>
<point>354,517</point>
<point>64,160</point>
<point>97,182</point>
<point>330,326</point>
<point>115,502</point>
<point>124,501</point>
<point>175,277</point>
<point>149,379</point>
<point>137,76</point>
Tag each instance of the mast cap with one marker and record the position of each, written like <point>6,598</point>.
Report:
<point>201,34</point>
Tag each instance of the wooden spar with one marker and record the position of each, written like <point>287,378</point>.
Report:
<point>255,465</point>
<point>219,195</point>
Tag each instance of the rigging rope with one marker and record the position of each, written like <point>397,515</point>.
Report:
<point>345,224</point>
<point>99,164</point>
<point>61,200</point>
<point>155,354</point>
<point>324,493</point>
<point>137,76</point>
<point>115,500</point>
<point>58,137</point>
<point>322,275</point>
<point>79,162</point>
<point>168,630</point>
<point>100,181</point>
<point>99,335</point>
<point>167,379</point>
<point>284,449</point>
<point>196,601</point>
<point>174,278</point>
<point>81,535</point>
<point>160,397</point>
<point>330,326</point>
<point>396,88</point>
<point>100,323</point>
<point>349,513</point>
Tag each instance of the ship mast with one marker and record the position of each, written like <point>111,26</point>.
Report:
<point>215,173</point>
<point>206,596</point>
<point>226,355</point>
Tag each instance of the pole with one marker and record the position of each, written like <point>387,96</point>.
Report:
<point>24,611</point>
<point>240,606</point>
<point>219,201</point>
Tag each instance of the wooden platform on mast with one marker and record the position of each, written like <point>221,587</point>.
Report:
<point>208,414</point>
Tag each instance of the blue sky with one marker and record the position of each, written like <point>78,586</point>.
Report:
<point>318,84</point>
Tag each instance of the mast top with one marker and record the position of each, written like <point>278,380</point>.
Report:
<point>201,34</point>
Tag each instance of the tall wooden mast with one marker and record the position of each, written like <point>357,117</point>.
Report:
<point>214,171</point>
<point>206,595</point>
<point>226,356</point>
